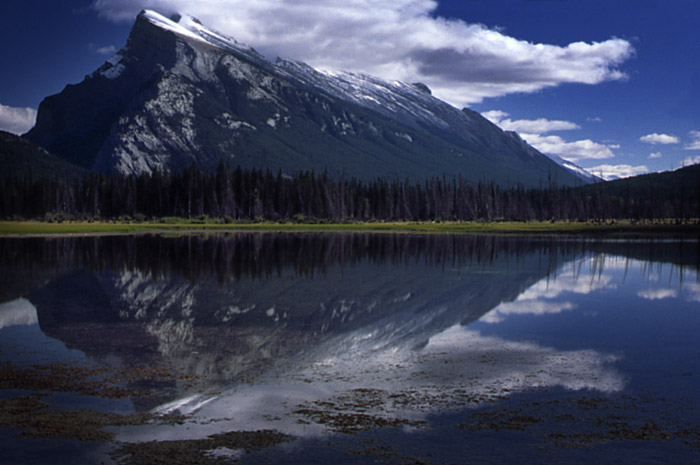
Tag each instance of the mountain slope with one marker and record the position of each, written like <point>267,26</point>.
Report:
<point>179,93</point>
<point>19,157</point>
<point>687,178</point>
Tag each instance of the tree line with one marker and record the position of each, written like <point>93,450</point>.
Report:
<point>238,195</point>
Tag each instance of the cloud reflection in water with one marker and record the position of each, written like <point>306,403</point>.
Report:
<point>18,312</point>
<point>540,299</point>
<point>369,372</point>
<point>458,368</point>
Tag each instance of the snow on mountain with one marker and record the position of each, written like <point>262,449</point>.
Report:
<point>180,93</point>
<point>582,172</point>
<point>396,97</point>
<point>189,27</point>
<point>174,26</point>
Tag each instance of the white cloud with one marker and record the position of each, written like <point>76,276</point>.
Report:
<point>16,120</point>
<point>495,116</point>
<point>463,63</point>
<point>609,172</point>
<point>108,50</point>
<point>529,126</point>
<point>687,161</point>
<point>655,155</point>
<point>595,119</point>
<point>663,139</point>
<point>531,131</point>
<point>571,151</point>
<point>694,143</point>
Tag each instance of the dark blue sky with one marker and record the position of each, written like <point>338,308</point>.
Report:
<point>48,44</point>
<point>661,95</point>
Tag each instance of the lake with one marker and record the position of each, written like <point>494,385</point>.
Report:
<point>349,348</point>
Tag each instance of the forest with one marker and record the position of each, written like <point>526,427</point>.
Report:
<point>236,195</point>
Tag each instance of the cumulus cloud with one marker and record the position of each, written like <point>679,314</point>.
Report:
<point>532,132</point>
<point>694,143</point>
<point>463,63</point>
<point>16,120</point>
<point>572,151</point>
<point>663,139</point>
<point>495,116</point>
<point>530,126</point>
<point>610,172</point>
<point>655,155</point>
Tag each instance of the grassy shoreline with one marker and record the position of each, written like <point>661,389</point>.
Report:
<point>39,228</point>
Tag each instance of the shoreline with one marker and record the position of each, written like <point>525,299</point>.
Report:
<point>68,228</point>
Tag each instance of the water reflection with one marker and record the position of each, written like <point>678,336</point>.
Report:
<point>226,308</point>
<point>657,294</point>
<point>599,272</point>
<point>457,369</point>
<point>17,312</point>
<point>281,328</point>
<point>545,297</point>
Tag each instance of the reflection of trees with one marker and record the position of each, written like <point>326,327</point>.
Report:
<point>260,255</point>
<point>254,255</point>
<point>212,306</point>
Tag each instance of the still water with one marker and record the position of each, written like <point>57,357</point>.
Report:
<point>307,348</point>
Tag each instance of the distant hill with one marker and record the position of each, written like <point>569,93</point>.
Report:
<point>180,94</point>
<point>687,178</point>
<point>671,194</point>
<point>19,157</point>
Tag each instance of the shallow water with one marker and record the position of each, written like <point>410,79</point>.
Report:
<point>361,348</point>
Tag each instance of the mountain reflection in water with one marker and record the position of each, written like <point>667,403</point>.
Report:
<point>273,324</point>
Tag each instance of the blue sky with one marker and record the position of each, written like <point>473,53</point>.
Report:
<point>613,86</point>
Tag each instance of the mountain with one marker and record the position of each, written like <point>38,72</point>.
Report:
<point>585,175</point>
<point>179,93</point>
<point>19,157</point>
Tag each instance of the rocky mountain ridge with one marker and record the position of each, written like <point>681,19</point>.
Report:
<point>179,94</point>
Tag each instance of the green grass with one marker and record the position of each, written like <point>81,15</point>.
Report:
<point>181,225</point>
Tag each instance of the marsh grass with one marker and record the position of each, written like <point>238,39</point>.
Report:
<point>177,225</point>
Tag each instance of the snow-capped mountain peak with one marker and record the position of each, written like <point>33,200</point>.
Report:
<point>178,27</point>
<point>191,28</point>
<point>180,93</point>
